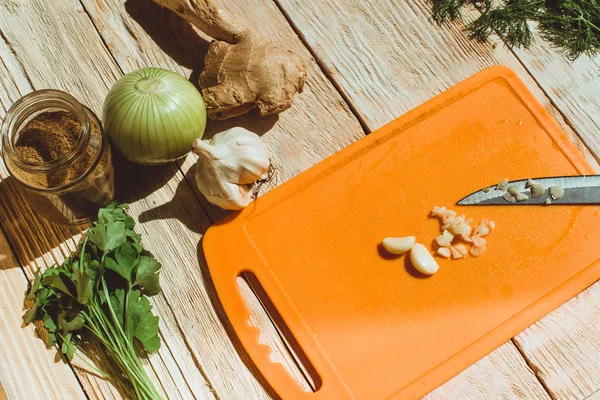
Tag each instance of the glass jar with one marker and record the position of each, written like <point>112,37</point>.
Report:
<point>56,150</point>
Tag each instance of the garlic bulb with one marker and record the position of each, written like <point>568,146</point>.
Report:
<point>228,166</point>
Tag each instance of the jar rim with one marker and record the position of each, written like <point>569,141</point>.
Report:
<point>37,101</point>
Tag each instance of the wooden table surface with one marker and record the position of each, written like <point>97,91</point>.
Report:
<point>369,61</point>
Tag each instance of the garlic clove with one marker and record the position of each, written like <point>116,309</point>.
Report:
<point>422,260</point>
<point>398,245</point>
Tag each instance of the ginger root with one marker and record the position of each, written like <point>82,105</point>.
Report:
<point>242,70</point>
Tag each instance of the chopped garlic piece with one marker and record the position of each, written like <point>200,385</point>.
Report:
<point>478,241</point>
<point>443,252</point>
<point>456,255</point>
<point>477,251</point>
<point>503,185</point>
<point>445,239</point>
<point>461,248</point>
<point>522,197</point>
<point>463,229</point>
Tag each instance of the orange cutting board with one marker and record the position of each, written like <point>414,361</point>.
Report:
<point>372,327</point>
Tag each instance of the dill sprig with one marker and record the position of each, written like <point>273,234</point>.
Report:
<point>572,26</point>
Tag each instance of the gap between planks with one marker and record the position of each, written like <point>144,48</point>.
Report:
<point>326,72</point>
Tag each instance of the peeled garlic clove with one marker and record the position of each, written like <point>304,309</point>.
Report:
<point>443,252</point>
<point>537,190</point>
<point>422,260</point>
<point>556,192</point>
<point>228,165</point>
<point>398,245</point>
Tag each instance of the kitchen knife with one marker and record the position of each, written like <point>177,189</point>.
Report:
<point>584,189</point>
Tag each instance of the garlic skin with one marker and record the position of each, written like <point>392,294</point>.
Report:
<point>228,165</point>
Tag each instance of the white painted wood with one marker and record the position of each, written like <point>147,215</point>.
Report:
<point>564,347</point>
<point>493,377</point>
<point>27,369</point>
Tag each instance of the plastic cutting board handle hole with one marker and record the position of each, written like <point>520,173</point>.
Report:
<point>264,316</point>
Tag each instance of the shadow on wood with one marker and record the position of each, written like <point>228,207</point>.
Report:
<point>30,235</point>
<point>175,36</point>
<point>134,182</point>
<point>210,289</point>
<point>251,121</point>
<point>172,208</point>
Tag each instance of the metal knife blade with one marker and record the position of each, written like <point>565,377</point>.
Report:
<point>583,189</point>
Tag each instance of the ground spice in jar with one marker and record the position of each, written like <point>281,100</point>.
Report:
<point>79,187</point>
<point>47,137</point>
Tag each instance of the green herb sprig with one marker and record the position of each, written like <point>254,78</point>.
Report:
<point>102,291</point>
<point>572,26</point>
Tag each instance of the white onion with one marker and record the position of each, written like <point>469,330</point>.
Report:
<point>152,116</point>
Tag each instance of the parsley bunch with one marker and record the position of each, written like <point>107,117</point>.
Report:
<point>573,26</point>
<point>101,291</point>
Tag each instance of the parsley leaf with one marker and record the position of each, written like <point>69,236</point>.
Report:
<point>108,236</point>
<point>147,275</point>
<point>141,323</point>
<point>126,258</point>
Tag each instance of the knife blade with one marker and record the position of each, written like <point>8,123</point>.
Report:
<point>582,189</point>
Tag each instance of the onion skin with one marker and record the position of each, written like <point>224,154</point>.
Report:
<point>153,115</point>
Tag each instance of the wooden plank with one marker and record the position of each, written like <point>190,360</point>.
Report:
<point>480,381</point>
<point>44,46</point>
<point>564,346</point>
<point>27,368</point>
<point>573,87</point>
<point>140,33</point>
<point>387,58</point>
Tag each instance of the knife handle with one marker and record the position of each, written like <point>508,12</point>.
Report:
<point>224,265</point>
